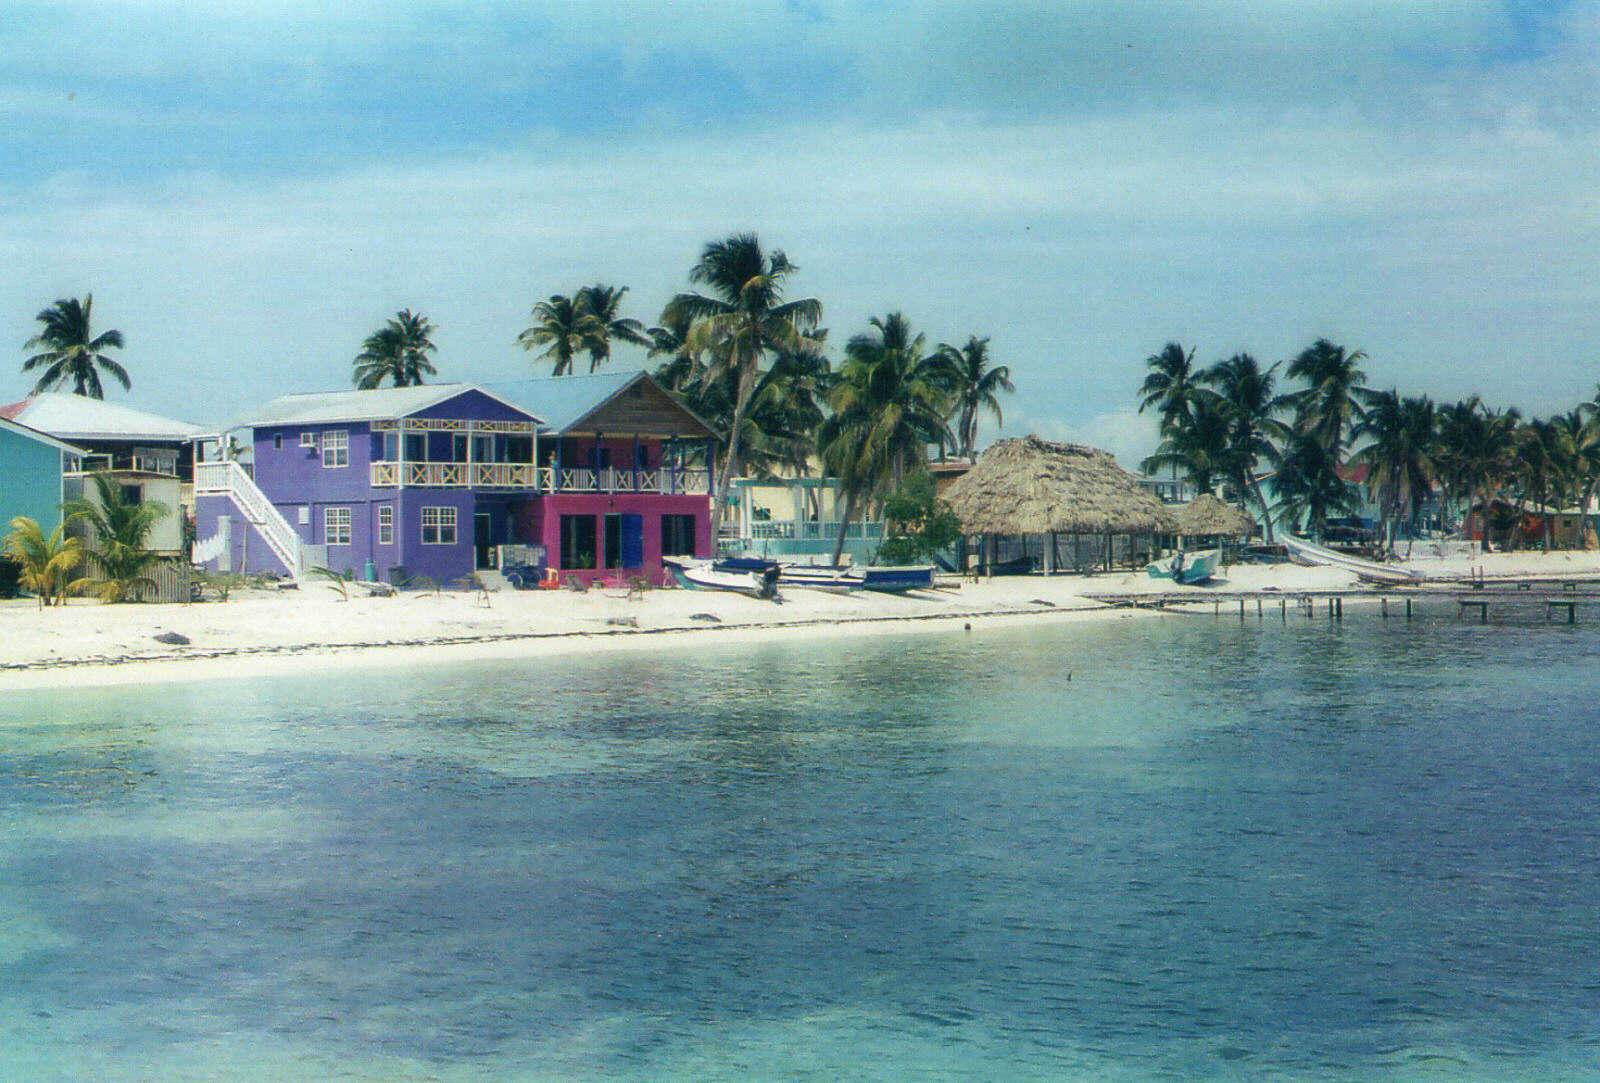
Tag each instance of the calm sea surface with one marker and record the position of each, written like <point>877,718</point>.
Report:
<point>1149,850</point>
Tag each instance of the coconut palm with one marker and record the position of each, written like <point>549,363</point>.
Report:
<point>888,406</point>
<point>977,385</point>
<point>742,320</point>
<point>601,305</point>
<point>1399,455</point>
<point>1196,445</point>
<point>46,561</point>
<point>71,353</point>
<point>1308,487</point>
<point>118,539</point>
<point>1250,405</point>
<point>563,326</point>
<point>1331,406</point>
<point>397,352</point>
<point>1580,470</point>
<point>1477,448</point>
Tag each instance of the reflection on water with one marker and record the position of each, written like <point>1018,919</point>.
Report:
<point>1182,849</point>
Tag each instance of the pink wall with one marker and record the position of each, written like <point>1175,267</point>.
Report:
<point>539,521</point>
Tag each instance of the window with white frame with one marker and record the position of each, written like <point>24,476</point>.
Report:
<point>308,439</point>
<point>438,526</point>
<point>335,526</point>
<point>385,524</point>
<point>335,448</point>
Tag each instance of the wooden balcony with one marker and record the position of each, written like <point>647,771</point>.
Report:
<point>541,479</point>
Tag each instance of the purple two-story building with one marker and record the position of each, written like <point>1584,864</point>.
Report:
<point>430,483</point>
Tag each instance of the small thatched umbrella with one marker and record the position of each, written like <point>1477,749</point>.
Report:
<point>1033,486</point>
<point>1207,517</point>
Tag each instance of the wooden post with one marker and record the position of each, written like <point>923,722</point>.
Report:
<point>1383,607</point>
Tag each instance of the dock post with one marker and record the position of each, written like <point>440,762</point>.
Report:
<point>1383,607</point>
<point>1241,609</point>
<point>1283,607</point>
<point>1216,609</point>
<point>1258,607</point>
<point>1338,608</point>
<point>1408,609</point>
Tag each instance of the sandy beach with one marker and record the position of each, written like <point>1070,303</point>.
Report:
<point>262,632</point>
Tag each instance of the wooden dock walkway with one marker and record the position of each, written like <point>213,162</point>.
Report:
<point>1555,598</point>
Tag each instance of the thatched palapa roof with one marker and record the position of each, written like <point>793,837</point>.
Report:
<point>1205,515</point>
<point>1033,486</point>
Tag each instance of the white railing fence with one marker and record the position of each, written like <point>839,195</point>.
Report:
<point>230,479</point>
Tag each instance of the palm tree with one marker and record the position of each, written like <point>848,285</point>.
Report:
<point>46,561</point>
<point>744,319</point>
<point>1197,444</point>
<point>1250,406</point>
<point>119,535</point>
<point>1308,487</point>
<point>1170,387</point>
<point>562,325</point>
<point>1477,448</point>
<point>601,304</point>
<point>977,388</point>
<point>888,406</point>
<point>1400,456</point>
<point>1580,430</point>
<point>397,352</point>
<point>1331,406</point>
<point>71,353</point>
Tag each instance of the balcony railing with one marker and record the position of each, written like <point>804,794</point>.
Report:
<point>543,479</point>
<point>808,530</point>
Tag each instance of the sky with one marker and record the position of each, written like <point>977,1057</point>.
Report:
<point>250,189</point>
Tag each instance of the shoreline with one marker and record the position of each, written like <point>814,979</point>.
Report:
<point>266,633</point>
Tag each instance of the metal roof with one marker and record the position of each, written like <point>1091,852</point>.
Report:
<point>7,425</point>
<point>78,417</point>
<point>565,401</point>
<point>379,404</point>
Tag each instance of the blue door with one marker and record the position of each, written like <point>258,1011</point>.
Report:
<point>633,541</point>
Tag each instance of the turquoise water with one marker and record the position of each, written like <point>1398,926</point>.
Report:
<point>1178,849</point>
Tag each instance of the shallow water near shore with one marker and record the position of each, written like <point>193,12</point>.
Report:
<point>1181,848</point>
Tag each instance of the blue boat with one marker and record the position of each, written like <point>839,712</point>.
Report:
<point>897,580</point>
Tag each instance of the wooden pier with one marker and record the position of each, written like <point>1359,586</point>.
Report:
<point>1555,599</point>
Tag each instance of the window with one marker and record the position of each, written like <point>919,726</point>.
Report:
<point>385,524</point>
<point>391,447</point>
<point>438,526</point>
<point>335,526</point>
<point>277,441</point>
<point>577,541</point>
<point>335,448</point>
<point>308,439</point>
<point>677,535</point>
<point>132,495</point>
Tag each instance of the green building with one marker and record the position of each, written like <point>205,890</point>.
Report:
<point>31,469</point>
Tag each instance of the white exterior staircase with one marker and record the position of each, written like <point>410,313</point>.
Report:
<point>230,479</point>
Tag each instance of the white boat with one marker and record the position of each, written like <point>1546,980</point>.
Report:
<point>707,575</point>
<point>1303,551</point>
<point>1187,568</point>
<point>821,576</point>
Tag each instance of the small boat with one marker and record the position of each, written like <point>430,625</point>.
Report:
<point>822,576</point>
<point>726,575</point>
<point>1309,553</point>
<point>1187,568</point>
<point>897,579</point>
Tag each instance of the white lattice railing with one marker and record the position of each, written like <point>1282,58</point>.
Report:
<point>544,479</point>
<point>230,479</point>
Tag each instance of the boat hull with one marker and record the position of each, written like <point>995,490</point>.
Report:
<point>1187,568</point>
<point>834,577</point>
<point>897,580</point>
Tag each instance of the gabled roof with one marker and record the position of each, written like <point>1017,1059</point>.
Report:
<point>379,404</point>
<point>7,425</point>
<point>619,403</point>
<point>78,417</point>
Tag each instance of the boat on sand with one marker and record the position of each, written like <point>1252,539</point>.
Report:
<point>1187,568</point>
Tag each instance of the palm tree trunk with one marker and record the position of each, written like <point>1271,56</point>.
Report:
<point>747,386</point>
<point>844,525</point>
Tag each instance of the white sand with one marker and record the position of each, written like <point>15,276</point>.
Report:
<point>258,633</point>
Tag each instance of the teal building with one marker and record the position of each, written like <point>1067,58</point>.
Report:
<point>31,469</point>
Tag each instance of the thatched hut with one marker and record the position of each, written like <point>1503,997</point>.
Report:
<point>1208,517</point>
<point>1029,486</point>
